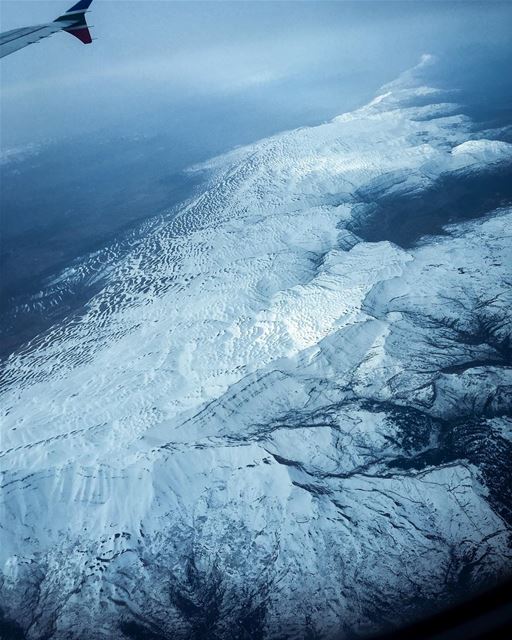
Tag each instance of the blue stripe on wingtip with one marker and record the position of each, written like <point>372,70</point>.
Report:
<point>83,5</point>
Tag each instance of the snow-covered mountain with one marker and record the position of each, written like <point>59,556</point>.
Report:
<point>265,424</point>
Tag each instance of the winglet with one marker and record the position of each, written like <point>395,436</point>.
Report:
<point>77,24</point>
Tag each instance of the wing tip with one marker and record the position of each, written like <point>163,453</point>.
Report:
<point>82,33</point>
<point>76,22</point>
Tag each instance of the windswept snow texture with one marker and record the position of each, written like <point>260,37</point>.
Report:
<point>265,425</point>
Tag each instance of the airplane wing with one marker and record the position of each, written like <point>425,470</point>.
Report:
<point>73,22</point>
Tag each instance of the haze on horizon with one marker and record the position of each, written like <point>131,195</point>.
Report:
<point>281,64</point>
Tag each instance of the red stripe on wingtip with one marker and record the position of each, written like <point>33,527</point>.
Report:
<point>82,34</point>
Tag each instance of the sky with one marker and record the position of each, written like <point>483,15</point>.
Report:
<point>283,63</point>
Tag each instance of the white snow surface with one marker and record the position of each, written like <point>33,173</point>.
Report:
<point>222,429</point>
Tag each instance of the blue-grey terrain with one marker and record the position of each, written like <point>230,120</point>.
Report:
<point>279,406</point>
